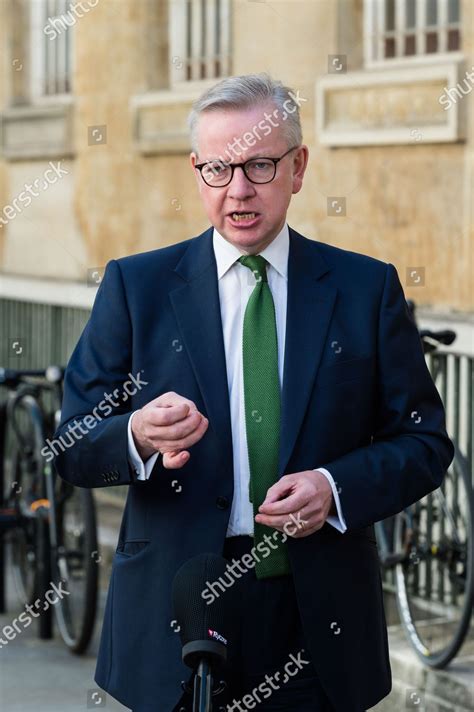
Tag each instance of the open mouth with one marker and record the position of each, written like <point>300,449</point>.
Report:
<point>243,216</point>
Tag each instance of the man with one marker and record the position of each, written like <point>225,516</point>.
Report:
<point>278,377</point>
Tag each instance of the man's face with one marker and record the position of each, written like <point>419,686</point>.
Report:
<point>269,202</point>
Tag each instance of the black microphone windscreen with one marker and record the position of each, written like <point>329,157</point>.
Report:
<point>205,601</point>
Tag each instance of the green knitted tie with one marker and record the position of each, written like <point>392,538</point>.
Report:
<point>262,411</point>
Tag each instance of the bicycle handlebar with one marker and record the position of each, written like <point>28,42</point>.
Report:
<point>431,338</point>
<point>11,378</point>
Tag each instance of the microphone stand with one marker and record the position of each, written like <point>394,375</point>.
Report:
<point>202,688</point>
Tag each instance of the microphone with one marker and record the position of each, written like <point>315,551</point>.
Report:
<point>206,630</point>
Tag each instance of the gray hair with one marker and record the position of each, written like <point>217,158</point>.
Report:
<point>245,91</point>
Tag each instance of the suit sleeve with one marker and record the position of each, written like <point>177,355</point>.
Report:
<point>91,444</point>
<point>410,449</point>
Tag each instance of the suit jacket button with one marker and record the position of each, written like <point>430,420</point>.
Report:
<point>222,503</point>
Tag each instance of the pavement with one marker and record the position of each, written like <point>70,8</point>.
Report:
<point>416,687</point>
<point>43,676</point>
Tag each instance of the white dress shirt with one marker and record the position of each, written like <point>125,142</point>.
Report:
<point>236,283</point>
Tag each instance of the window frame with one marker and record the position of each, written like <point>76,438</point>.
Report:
<point>38,48</point>
<point>178,44</point>
<point>374,18</point>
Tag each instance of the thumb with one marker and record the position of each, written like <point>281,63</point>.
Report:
<point>175,459</point>
<point>277,491</point>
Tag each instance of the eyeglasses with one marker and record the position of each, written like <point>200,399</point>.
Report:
<point>258,170</point>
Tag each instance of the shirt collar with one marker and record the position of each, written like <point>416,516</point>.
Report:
<point>276,253</point>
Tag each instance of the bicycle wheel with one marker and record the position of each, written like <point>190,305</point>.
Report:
<point>435,579</point>
<point>30,544</point>
<point>75,563</point>
<point>20,482</point>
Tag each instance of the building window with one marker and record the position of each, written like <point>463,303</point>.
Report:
<point>199,39</point>
<point>51,48</point>
<point>408,29</point>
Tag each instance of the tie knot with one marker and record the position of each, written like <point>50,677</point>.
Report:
<point>257,264</point>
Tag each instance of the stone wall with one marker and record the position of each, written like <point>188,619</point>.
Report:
<point>129,186</point>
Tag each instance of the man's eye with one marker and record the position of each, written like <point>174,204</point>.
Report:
<point>216,167</point>
<point>260,165</point>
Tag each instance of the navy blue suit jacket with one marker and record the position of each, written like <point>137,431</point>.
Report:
<point>357,398</point>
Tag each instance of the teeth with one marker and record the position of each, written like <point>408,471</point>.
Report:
<point>243,216</point>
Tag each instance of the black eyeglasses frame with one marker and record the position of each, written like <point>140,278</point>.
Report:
<point>233,166</point>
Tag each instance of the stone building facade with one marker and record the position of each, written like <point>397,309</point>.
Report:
<point>94,97</point>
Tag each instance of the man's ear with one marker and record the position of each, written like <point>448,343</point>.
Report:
<point>193,159</point>
<point>300,161</point>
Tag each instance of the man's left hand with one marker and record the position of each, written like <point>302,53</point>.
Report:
<point>306,495</point>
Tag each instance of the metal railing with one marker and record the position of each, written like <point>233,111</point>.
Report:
<point>37,335</point>
<point>453,374</point>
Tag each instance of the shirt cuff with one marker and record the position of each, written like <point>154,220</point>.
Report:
<point>142,469</point>
<point>338,522</point>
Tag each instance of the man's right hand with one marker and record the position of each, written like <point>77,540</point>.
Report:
<point>169,424</point>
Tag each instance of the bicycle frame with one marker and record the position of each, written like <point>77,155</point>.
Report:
<point>36,514</point>
<point>24,397</point>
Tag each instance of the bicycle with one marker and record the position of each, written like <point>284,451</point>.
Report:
<point>48,531</point>
<point>429,546</point>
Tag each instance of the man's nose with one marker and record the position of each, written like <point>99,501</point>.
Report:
<point>240,186</point>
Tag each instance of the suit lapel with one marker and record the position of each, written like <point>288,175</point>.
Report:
<point>309,309</point>
<point>197,309</point>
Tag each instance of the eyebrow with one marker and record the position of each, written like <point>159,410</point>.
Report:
<point>250,158</point>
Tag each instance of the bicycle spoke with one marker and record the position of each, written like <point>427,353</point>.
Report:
<point>434,581</point>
